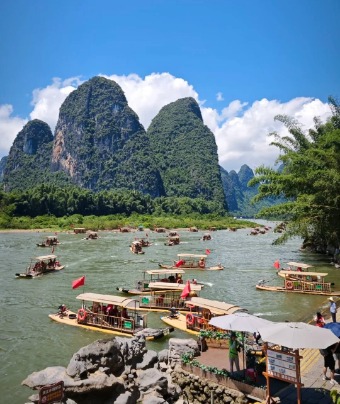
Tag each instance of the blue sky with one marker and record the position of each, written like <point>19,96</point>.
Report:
<point>244,61</point>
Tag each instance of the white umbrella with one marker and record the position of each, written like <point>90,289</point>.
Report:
<point>298,335</point>
<point>239,322</point>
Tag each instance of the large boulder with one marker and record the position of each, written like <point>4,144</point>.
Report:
<point>109,356</point>
<point>179,346</point>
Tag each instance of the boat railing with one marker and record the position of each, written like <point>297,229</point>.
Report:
<point>162,302</point>
<point>308,286</point>
<point>111,322</point>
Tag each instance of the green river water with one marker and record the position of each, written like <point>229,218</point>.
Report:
<point>30,341</point>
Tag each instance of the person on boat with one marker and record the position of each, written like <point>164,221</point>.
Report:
<point>201,263</point>
<point>172,279</point>
<point>179,278</point>
<point>125,313</point>
<point>62,309</point>
<point>319,320</point>
<point>194,281</point>
<point>234,349</point>
<point>173,312</point>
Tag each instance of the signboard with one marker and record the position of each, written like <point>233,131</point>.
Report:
<point>52,393</point>
<point>282,366</point>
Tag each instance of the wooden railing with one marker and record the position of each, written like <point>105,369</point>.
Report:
<point>308,286</point>
<point>110,322</point>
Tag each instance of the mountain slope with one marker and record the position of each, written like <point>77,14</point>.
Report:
<point>28,162</point>
<point>100,143</point>
<point>185,152</point>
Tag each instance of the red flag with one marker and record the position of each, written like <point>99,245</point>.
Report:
<point>277,264</point>
<point>186,290</point>
<point>179,263</point>
<point>78,282</point>
<point>207,251</point>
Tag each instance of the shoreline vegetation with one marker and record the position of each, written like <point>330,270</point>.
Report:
<point>115,222</point>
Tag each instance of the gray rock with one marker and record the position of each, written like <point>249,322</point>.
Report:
<point>153,379</point>
<point>49,375</point>
<point>163,355</point>
<point>149,360</point>
<point>178,346</point>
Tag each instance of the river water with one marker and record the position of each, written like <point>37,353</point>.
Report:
<point>30,341</point>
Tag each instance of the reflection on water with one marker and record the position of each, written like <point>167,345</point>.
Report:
<point>31,342</point>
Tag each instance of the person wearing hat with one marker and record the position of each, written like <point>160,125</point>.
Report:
<point>332,309</point>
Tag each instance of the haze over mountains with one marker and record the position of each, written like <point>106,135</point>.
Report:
<point>99,144</point>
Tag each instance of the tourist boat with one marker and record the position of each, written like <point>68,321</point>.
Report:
<point>91,235</point>
<point>160,279</point>
<point>295,268</point>
<point>192,261</point>
<point>79,230</point>
<point>144,242</point>
<point>311,283</point>
<point>200,313</point>
<point>160,230</point>
<point>111,314</point>
<point>40,266</point>
<point>168,297</point>
<point>136,247</point>
<point>172,240</point>
<point>49,242</point>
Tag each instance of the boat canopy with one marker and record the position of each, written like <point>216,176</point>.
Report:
<point>173,286</point>
<point>165,271</point>
<point>45,257</point>
<point>216,307</point>
<point>109,299</point>
<point>304,274</point>
<point>181,256</point>
<point>299,265</point>
<point>51,237</point>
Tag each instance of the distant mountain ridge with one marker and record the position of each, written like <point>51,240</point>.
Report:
<point>99,144</point>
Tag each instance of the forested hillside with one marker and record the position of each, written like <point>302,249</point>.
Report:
<point>100,145</point>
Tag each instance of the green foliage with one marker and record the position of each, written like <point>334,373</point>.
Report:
<point>309,182</point>
<point>212,334</point>
<point>185,153</point>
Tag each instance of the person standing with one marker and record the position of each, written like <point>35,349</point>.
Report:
<point>233,353</point>
<point>332,309</point>
<point>329,363</point>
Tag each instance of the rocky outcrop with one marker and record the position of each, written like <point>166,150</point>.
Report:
<point>100,143</point>
<point>185,152</point>
<point>123,371</point>
<point>29,157</point>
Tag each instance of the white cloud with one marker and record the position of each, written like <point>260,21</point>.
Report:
<point>47,101</point>
<point>241,130</point>
<point>147,96</point>
<point>9,128</point>
<point>219,96</point>
<point>244,139</point>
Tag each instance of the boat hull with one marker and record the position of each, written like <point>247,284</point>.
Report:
<point>179,322</point>
<point>31,274</point>
<point>214,268</point>
<point>160,333</point>
<point>305,292</point>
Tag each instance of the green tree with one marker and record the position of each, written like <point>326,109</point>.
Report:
<point>309,181</point>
